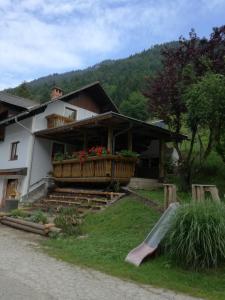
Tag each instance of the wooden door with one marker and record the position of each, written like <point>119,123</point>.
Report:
<point>11,189</point>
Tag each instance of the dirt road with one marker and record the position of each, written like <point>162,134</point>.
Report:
<point>27,273</point>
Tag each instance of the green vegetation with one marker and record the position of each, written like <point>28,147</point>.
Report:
<point>111,234</point>
<point>19,213</point>
<point>121,78</point>
<point>135,106</point>
<point>38,217</point>
<point>196,239</point>
<point>68,220</point>
<point>188,92</point>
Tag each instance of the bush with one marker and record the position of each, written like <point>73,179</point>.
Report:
<point>68,220</point>
<point>38,217</point>
<point>196,239</point>
<point>19,213</point>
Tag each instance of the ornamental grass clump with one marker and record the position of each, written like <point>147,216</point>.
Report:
<point>69,221</point>
<point>196,239</point>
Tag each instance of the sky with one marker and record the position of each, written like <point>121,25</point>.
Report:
<point>41,37</point>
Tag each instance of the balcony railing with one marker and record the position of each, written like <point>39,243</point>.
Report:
<point>95,169</point>
<point>55,120</point>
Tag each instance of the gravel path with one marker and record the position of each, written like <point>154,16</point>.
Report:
<point>27,273</point>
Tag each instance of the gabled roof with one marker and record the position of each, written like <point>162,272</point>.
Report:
<point>97,91</point>
<point>95,87</point>
<point>17,101</point>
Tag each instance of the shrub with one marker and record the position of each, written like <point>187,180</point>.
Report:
<point>38,217</point>
<point>58,156</point>
<point>19,213</point>
<point>68,220</point>
<point>128,153</point>
<point>196,239</point>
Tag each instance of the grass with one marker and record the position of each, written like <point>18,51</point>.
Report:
<point>157,195</point>
<point>112,233</point>
<point>196,239</point>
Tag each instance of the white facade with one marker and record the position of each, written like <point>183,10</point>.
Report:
<point>33,153</point>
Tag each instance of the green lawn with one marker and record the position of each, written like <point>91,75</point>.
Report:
<point>112,233</point>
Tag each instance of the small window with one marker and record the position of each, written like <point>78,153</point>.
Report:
<point>14,149</point>
<point>71,113</point>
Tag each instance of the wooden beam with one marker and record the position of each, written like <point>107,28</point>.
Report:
<point>85,141</point>
<point>110,139</point>
<point>162,160</point>
<point>91,179</point>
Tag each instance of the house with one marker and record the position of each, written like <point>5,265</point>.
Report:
<point>32,134</point>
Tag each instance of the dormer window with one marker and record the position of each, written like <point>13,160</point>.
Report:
<point>14,151</point>
<point>71,113</point>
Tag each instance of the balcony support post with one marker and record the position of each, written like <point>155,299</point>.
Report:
<point>85,141</point>
<point>130,140</point>
<point>110,140</point>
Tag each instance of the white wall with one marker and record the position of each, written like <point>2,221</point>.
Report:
<point>41,163</point>
<point>59,107</point>
<point>42,148</point>
<point>14,133</point>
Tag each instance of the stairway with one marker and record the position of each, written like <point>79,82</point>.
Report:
<point>83,200</point>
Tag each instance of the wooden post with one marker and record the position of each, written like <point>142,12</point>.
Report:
<point>161,160</point>
<point>110,139</point>
<point>170,194</point>
<point>85,141</point>
<point>130,140</point>
<point>199,190</point>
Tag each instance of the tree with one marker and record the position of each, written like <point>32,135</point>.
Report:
<point>184,66</point>
<point>205,102</point>
<point>23,90</point>
<point>135,106</point>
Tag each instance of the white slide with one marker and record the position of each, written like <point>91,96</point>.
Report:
<point>150,244</point>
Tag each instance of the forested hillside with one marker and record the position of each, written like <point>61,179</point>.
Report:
<point>123,79</point>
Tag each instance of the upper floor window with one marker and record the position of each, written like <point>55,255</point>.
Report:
<point>14,151</point>
<point>71,113</point>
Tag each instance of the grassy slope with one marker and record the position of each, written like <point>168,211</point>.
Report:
<point>113,233</point>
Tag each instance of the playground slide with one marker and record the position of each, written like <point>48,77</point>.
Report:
<point>150,244</point>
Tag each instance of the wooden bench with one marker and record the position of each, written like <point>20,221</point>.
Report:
<point>170,194</point>
<point>199,190</point>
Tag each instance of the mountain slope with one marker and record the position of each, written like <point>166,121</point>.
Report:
<point>120,77</point>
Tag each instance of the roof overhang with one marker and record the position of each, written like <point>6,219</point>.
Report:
<point>103,121</point>
<point>13,173</point>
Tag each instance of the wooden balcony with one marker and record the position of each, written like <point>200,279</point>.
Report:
<point>55,120</point>
<point>95,169</point>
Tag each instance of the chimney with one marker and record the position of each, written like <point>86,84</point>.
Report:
<point>56,93</point>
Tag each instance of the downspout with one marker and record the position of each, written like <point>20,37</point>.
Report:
<point>31,152</point>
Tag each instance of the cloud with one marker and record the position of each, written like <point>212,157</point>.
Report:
<point>38,37</point>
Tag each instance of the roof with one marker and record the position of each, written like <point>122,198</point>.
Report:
<point>16,101</point>
<point>94,88</point>
<point>13,172</point>
<point>116,120</point>
<point>37,108</point>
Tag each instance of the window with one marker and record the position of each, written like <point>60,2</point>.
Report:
<point>14,148</point>
<point>71,113</point>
